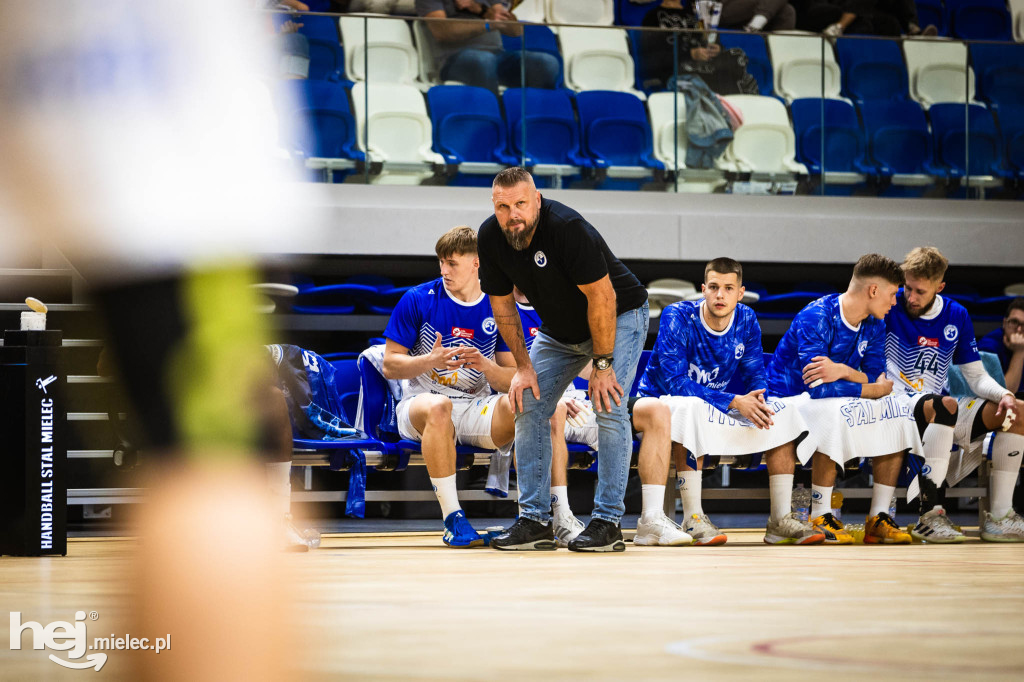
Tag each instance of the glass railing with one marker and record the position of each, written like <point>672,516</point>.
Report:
<point>385,100</point>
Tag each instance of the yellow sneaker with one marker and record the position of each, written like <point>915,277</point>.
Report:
<point>882,530</point>
<point>833,530</point>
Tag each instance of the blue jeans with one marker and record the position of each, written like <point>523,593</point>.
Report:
<point>557,364</point>
<point>485,69</point>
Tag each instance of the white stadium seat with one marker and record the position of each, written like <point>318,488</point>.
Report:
<point>597,59</point>
<point>598,12</point>
<point>400,132</point>
<point>392,56</point>
<point>765,143</point>
<point>530,10</point>
<point>796,60</point>
<point>663,122</point>
<point>938,71</point>
<point>1017,11</point>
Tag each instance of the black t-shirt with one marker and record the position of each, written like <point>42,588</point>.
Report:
<point>565,251</point>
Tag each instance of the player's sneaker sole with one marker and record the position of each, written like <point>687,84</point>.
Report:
<point>528,546</point>
<point>999,538</point>
<point>816,539</point>
<point>920,537</point>
<point>712,541</point>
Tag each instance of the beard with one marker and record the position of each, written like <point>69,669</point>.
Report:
<point>520,240</point>
<point>923,310</point>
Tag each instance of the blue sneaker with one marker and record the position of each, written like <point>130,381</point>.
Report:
<point>459,533</point>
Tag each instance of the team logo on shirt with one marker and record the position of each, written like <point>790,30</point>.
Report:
<point>460,333</point>
<point>489,325</point>
<point>533,331</point>
<point>925,342</point>
<point>700,376</point>
<point>739,350</point>
<point>862,348</point>
<point>540,259</point>
<point>950,332</point>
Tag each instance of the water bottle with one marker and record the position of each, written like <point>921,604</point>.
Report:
<point>802,502</point>
<point>837,504</point>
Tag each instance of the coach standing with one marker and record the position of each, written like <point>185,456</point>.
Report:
<point>591,308</point>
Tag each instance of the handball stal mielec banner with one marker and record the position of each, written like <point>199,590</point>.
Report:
<point>33,445</point>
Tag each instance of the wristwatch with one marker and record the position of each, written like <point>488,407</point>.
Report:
<point>603,363</point>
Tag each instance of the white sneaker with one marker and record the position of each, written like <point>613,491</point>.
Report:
<point>661,531</point>
<point>567,527</point>
<point>935,526</point>
<point>790,530</point>
<point>702,531</point>
<point>1010,528</point>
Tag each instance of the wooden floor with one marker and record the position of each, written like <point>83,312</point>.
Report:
<point>403,606</point>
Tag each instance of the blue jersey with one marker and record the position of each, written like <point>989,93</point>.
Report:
<point>918,352</point>
<point>691,359</point>
<point>427,310</point>
<point>310,388</point>
<point>531,324</point>
<point>820,329</point>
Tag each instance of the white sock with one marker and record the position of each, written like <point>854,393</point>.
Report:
<point>938,442</point>
<point>653,500</point>
<point>560,499</point>
<point>881,497</point>
<point>1007,449</point>
<point>689,484</point>
<point>780,489</point>
<point>280,484</point>
<point>757,22</point>
<point>821,500</point>
<point>447,494</point>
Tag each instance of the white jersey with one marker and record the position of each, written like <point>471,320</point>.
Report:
<point>848,428</point>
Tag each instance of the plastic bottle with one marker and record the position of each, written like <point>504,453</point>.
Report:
<point>837,504</point>
<point>802,502</point>
<point>857,531</point>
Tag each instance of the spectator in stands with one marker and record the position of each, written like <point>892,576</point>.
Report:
<point>1008,343</point>
<point>757,15</point>
<point>867,17</point>
<point>724,71</point>
<point>470,50</point>
<point>403,7</point>
<point>442,340</point>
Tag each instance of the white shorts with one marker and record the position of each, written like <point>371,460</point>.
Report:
<point>967,410</point>
<point>471,417</point>
<point>703,429</point>
<point>848,428</point>
<point>968,455</point>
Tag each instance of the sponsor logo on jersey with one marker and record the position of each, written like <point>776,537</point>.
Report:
<point>533,331</point>
<point>950,332</point>
<point>700,376</point>
<point>540,259</point>
<point>490,326</point>
<point>739,350</point>
<point>925,342</point>
<point>460,333</point>
<point>862,348</point>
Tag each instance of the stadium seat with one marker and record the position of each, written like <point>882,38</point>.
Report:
<point>899,141</point>
<point>598,12</point>
<point>400,132</point>
<point>1017,17</point>
<point>632,12</point>
<point>468,129</point>
<point>597,59</point>
<point>872,69</point>
<point>426,51</point>
<point>538,39</point>
<point>326,56</point>
<point>930,12</point>
<point>938,71</point>
<point>787,304</point>
<point>530,11</point>
<point>668,125</point>
<point>552,133</point>
<point>615,130</point>
<point>331,299</point>
<point>765,143</point>
<point>798,65</point>
<point>390,53</point>
<point>1011,125</point>
<point>984,154</point>
<point>758,64</point>
<point>1000,73</point>
<point>978,19</point>
<point>322,123</point>
<point>845,147</point>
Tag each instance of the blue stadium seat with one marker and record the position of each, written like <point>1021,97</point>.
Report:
<point>641,367</point>
<point>615,129</point>
<point>538,39</point>
<point>931,12</point>
<point>788,304</point>
<point>758,64</point>
<point>978,20</point>
<point>639,66</point>
<point>845,146</point>
<point>1011,125</point>
<point>999,73</point>
<point>552,134</point>
<point>320,119</point>
<point>326,56</point>
<point>872,69</point>
<point>468,128</point>
<point>898,138</point>
<point>632,12</point>
<point>984,154</point>
<point>331,299</point>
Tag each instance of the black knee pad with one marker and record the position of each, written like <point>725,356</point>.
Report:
<point>942,415</point>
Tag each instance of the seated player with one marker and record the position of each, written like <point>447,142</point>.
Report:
<point>1007,342</point>
<point>700,346</point>
<point>442,340</point>
<point>833,348</point>
<point>927,333</point>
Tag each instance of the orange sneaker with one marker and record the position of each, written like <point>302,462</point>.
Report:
<point>833,530</point>
<point>882,530</point>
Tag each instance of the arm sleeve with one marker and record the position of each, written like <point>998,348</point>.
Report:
<point>873,363</point>
<point>404,325</point>
<point>752,364</point>
<point>981,383</point>
<point>581,249</point>
<point>966,347</point>
<point>673,348</point>
<point>811,341</point>
<point>493,280</point>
